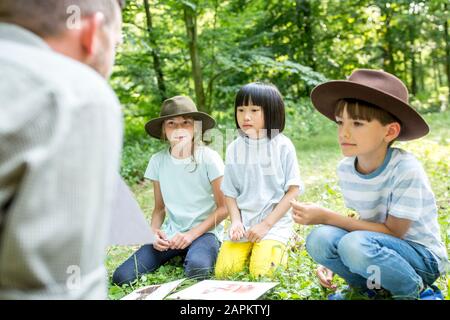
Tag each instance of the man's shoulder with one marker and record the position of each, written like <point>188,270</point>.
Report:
<point>55,72</point>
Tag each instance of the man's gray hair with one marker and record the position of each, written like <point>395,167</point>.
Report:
<point>49,18</point>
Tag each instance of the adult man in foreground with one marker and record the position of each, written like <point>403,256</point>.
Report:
<point>60,143</point>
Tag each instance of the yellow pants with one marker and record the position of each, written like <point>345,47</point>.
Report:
<point>264,256</point>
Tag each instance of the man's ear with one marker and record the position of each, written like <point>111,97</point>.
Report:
<point>89,31</point>
<point>392,132</point>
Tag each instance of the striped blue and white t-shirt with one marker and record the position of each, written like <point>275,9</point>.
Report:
<point>400,188</point>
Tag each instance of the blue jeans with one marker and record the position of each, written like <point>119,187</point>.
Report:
<point>199,260</point>
<point>404,267</point>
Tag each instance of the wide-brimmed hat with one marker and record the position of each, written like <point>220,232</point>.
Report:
<point>378,88</point>
<point>175,107</point>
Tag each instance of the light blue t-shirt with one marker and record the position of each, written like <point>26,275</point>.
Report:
<point>400,188</point>
<point>258,173</point>
<point>186,188</point>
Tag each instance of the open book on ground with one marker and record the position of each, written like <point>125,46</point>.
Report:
<point>224,290</point>
<point>153,292</point>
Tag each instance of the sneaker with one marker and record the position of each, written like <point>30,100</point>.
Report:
<point>348,293</point>
<point>431,293</point>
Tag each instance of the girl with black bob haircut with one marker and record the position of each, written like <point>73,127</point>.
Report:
<point>260,180</point>
<point>269,99</point>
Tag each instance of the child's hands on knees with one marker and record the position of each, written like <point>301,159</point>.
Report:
<point>236,231</point>
<point>257,232</point>
<point>161,243</point>
<point>325,276</point>
<point>181,241</point>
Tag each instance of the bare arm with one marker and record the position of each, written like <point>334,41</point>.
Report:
<point>393,226</point>
<point>307,214</point>
<point>158,215</point>
<point>282,207</point>
<point>159,209</point>
<point>235,214</point>
<point>257,232</point>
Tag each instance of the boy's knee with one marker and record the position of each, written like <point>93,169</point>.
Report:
<point>353,249</point>
<point>320,241</point>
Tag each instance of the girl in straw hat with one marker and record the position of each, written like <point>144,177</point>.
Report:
<point>186,179</point>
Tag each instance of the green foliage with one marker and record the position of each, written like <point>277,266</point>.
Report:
<point>295,45</point>
<point>137,150</point>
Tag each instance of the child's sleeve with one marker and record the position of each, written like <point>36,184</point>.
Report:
<point>230,184</point>
<point>411,195</point>
<point>152,171</point>
<point>214,165</point>
<point>292,172</point>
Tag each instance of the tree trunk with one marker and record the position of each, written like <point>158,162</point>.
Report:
<point>413,60</point>
<point>212,77</point>
<point>388,57</point>
<point>405,65</point>
<point>447,50</point>
<point>435,75</point>
<point>304,24</point>
<point>190,20</point>
<point>155,54</point>
<point>421,74</point>
<point>413,74</point>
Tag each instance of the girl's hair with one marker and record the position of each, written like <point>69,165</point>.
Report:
<point>198,142</point>
<point>266,96</point>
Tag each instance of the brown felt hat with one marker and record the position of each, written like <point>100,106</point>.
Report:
<point>378,88</point>
<point>175,107</point>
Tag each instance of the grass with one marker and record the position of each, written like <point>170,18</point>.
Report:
<point>318,156</point>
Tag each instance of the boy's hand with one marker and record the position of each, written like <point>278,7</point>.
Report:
<point>181,241</point>
<point>325,276</point>
<point>308,213</point>
<point>257,232</point>
<point>161,243</point>
<point>236,231</point>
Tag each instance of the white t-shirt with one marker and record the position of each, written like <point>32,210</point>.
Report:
<point>257,174</point>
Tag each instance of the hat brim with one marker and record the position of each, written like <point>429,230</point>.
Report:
<point>154,126</point>
<point>326,96</point>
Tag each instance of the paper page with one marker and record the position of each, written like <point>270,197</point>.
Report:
<point>128,224</point>
<point>224,290</point>
<point>153,292</point>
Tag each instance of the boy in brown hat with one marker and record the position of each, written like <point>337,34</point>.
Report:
<point>396,243</point>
